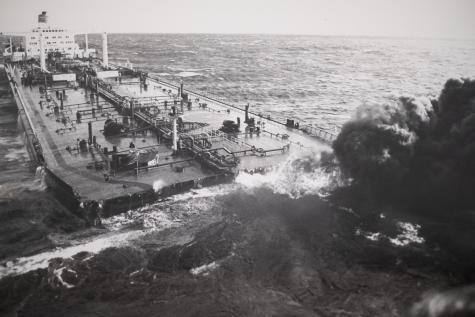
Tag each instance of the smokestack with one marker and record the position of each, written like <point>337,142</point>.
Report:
<point>43,18</point>
<point>105,56</point>
<point>246,118</point>
<point>42,53</point>
<point>87,44</point>
<point>174,140</point>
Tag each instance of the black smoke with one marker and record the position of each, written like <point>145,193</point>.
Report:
<point>418,154</point>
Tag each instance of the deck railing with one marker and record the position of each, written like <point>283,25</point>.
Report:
<point>30,131</point>
<point>308,128</point>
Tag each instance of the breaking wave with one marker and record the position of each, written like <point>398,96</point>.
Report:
<point>190,74</point>
<point>299,175</point>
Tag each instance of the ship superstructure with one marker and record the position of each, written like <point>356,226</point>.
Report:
<point>50,39</point>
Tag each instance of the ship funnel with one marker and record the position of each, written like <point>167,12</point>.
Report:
<point>105,54</point>
<point>42,53</point>
<point>43,18</point>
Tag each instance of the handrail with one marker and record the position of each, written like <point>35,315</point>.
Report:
<point>327,135</point>
<point>15,90</point>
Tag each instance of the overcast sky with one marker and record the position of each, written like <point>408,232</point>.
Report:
<point>411,18</point>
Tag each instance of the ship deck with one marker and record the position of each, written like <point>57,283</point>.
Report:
<point>83,170</point>
<point>86,171</point>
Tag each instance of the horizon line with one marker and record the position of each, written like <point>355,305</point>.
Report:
<point>417,37</point>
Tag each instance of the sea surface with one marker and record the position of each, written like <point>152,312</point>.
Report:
<point>315,79</point>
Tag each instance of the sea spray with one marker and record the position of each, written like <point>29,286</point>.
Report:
<point>301,174</point>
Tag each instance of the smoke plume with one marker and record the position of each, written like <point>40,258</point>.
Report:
<point>416,153</point>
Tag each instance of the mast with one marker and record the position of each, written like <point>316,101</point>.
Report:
<point>105,55</point>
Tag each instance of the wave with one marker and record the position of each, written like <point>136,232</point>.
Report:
<point>300,175</point>
<point>41,260</point>
<point>190,74</point>
<point>123,229</point>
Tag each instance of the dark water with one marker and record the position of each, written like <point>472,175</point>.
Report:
<point>268,244</point>
<point>15,163</point>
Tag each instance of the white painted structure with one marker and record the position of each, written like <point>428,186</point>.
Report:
<point>107,74</point>
<point>55,39</point>
<point>64,77</point>
<point>42,53</point>
<point>174,135</point>
<point>105,54</point>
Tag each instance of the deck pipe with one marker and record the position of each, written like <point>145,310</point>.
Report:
<point>174,140</point>
<point>89,127</point>
<point>86,48</point>
<point>105,55</point>
<point>131,111</point>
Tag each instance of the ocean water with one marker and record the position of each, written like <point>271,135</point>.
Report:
<point>315,79</point>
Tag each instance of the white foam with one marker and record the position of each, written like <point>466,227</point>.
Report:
<point>290,178</point>
<point>204,269</point>
<point>409,235</point>
<point>158,184</point>
<point>59,272</point>
<point>16,154</point>
<point>189,74</point>
<point>40,261</point>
